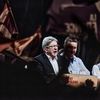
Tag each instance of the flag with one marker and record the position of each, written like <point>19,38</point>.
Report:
<point>18,46</point>
<point>7,22</point>
<point>4,14</point>
<point>7,27</point>
<point>4,46</point>
<point>36,43</point>
<point>23,43</point>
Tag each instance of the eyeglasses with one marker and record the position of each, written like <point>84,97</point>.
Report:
<point>52,46</point>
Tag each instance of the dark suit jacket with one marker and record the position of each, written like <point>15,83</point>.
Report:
<point>45,68</point>
<point>46,75</point>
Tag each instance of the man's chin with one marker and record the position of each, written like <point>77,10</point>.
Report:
<point>71,56</point>
<point>55,55</point>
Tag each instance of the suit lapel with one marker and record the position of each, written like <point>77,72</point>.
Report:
<point>48,65</point>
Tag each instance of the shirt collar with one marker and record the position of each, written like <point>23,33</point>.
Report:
<point>49,57</point>
<point>72,59</point>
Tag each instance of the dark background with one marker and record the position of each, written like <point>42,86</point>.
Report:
<point>28,14</point>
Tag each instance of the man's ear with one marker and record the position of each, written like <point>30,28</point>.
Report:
<point>45,50</point>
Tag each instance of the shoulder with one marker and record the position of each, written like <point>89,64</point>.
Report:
<point>96,66</point>
<point>77,58</point>
<point>41,58</point>
<point>37,61</point>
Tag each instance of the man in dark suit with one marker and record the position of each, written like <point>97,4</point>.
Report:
<point>47,66</point>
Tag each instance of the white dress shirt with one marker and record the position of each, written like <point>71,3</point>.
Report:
<point>77,67</point>
<point>54,64</point>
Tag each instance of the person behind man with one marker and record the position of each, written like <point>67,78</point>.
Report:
<point>96,70</point>
<point>72,63</point>
<point>47,65</point>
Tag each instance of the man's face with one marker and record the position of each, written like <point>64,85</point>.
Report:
<point>71,48</point>
<point>52,49</point>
